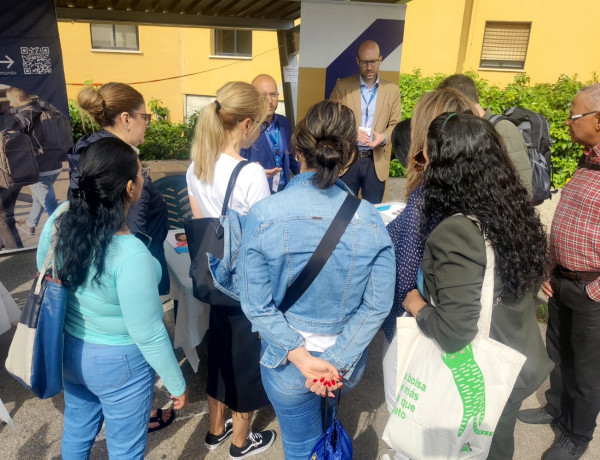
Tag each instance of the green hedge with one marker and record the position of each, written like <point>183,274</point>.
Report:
<point>552,100</point>
<point>163,140</point>
<point>166,141</point>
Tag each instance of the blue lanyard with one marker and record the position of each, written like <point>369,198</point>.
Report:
<point>373,94</point>
<point>275,141</point>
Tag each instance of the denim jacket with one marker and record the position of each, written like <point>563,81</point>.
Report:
<point>352,294</point>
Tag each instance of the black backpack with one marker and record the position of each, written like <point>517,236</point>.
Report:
<point>52,130</point>
<point>18,166</point>
<point>535,130</point>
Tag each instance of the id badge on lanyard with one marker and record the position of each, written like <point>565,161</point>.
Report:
<point>278,156</point>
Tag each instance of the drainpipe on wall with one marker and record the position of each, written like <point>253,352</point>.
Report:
<point>464,35</point>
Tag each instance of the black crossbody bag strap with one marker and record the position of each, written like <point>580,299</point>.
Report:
<point>322,253</point>
<point>232,179</point>
<point>234,175</point>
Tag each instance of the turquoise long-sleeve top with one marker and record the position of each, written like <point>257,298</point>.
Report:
<point>124,308</point>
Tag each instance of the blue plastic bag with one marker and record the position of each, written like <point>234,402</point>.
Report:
<point>334,444</point>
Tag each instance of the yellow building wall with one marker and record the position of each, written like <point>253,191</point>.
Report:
<point>432,36</point>
<point>557,44</point>
<point>165,52</point>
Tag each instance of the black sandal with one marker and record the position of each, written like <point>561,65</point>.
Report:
<point>161,423</point>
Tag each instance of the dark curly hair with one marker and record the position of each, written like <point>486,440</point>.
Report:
<point>326,138</point>
<point>96,210</point>
<point>469,172</point>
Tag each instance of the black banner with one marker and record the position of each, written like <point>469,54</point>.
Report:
<point>30,54</point>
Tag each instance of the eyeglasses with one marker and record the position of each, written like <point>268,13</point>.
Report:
<point>263,126</point>
<point>572,118</point>
<point>147,116</point>
<point>420,161</point>
<point>145,172</point>
<point>373,63</point>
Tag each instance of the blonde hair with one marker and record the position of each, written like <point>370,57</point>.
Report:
<point>108,102</point>
<point>235,102</point>
<point>428,107</point>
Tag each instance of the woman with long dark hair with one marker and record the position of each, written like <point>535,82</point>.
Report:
<point>405,229</point>
<point>114,334</point>
<point>468,174</point>
<point>320,342</point>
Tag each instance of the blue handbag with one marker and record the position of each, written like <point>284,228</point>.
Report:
<point>334,443</point>
<point>35,356</point>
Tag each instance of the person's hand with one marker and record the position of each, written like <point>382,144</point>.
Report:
<point>363,137</point>
<point>547,288</point>
<point>272,172</point>
<point>413,302</point>
<point>181,401</point>
<point>378,139</point>
<point>322,377</point>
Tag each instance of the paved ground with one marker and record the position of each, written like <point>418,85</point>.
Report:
<point>363,413</point>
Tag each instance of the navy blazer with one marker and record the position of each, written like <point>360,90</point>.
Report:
<point>261,152</point>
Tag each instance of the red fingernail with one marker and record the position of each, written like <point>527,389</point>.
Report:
<point>314,380</point>
<point>341,384</point>
<point>321,379</point>
<point>339,377</point>
<point>326,383</point>
<point>332,382</point>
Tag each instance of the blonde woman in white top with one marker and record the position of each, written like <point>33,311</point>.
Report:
<point>232,122</point>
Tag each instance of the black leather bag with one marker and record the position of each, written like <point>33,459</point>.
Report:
<point>205,235</point>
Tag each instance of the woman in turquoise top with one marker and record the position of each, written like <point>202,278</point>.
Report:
<point>114,335</point>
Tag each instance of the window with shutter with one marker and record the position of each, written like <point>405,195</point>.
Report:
<point>505,45</point>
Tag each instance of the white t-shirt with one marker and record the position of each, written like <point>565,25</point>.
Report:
<point>251,186</point>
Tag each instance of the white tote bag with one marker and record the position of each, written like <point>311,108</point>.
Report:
<point>448,404</point>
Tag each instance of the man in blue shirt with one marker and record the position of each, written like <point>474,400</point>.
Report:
<point>272,148</point>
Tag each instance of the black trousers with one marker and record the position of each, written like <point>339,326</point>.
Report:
<point>9,236</point>
<point>573,343</point>
<point>362,176</point>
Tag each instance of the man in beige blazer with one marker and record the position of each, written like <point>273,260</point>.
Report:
<point>376,107</point>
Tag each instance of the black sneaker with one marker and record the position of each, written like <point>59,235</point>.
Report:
<point>211,442</point>
<point>564,449</point>
<point>257,443</point>
<point>538,416</point>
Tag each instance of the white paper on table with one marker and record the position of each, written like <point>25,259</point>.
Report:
<point>390,210</point>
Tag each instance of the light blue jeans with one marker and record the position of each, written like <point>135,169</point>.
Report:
<point>114,384</point>
<point>43,197</point>
<point>299,411</point>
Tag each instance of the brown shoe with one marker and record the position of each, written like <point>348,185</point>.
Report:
<point>22,226</point>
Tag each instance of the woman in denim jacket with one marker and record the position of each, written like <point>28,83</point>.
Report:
<point>320,343</point>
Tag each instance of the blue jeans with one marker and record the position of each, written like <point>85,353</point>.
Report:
<point>42,194</point>
<point>299,411</point>
<point>114,384</point>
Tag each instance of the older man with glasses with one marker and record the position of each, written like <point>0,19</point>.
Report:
<point>376,107</point>
<point>272,148</point>
<point>573,290</point>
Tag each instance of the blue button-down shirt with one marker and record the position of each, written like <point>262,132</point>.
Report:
<point>368,102</point>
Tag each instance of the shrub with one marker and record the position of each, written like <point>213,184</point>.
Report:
<point>552,100</point>
<point>165,140</point>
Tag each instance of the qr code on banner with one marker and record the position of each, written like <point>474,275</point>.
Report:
<point>36,60</point>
